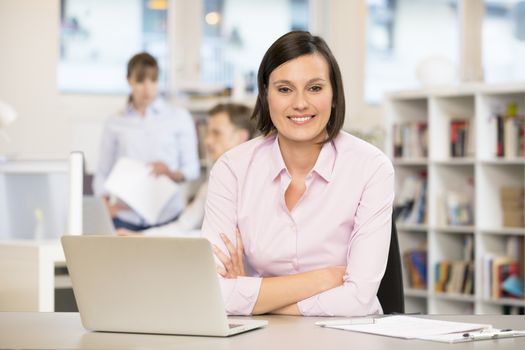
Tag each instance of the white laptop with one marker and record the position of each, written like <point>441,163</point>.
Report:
<point>166,285</point>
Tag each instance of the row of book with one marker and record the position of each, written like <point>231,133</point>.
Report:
<point>501,277</point>
<point>416,268</point>
<point>454,277</point>
<point>410,204</point>
<point>510,133</point>
<point>461,139</point>
<point>503,274</point>
<point>410,140</point>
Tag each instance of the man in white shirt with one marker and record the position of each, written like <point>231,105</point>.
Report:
<point>228,125</point>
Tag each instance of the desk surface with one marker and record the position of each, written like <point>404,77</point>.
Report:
<point>64,331</point>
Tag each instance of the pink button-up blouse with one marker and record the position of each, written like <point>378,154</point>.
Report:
<point>342,219</point>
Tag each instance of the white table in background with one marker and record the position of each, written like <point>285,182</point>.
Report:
<point>27,274</point>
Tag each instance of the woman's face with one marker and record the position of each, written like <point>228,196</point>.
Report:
<point>300,98</point>
<point>143,92</point>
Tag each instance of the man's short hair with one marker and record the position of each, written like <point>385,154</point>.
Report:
<point>240,116</point>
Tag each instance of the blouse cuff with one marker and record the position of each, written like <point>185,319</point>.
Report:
<point>311,307</point>
<point>244,296</point>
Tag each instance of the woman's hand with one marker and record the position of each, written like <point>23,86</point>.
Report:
<point>159,168</point>
<point>233,265</point>
<point>126,232</point>
<point>114,208</point>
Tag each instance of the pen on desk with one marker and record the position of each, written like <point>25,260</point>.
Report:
<point>348,321</point>
<point>489,334</point>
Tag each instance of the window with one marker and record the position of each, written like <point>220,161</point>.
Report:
<point>237,33</point>
<point>401,34</point>
<point>504,40</point>
<point>98,37</point>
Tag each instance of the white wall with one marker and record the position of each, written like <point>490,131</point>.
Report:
<point>50,124</point>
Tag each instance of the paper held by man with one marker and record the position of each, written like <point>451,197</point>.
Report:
<point>132,182</point>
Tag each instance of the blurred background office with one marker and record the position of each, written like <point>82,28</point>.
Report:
<point>62,61</point>
<point>434,83</point>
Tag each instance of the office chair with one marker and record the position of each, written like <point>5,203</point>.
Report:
<point>390,293</point>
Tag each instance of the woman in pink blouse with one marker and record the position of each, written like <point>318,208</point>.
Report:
<point>300,217</point>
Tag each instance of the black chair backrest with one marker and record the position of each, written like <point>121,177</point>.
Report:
<point>390,293</point>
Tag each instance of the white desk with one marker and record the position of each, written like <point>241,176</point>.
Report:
<point>27,274</point>
<point>64,331</point>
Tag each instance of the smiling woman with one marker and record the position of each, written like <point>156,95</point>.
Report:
<point>301,101</point>
<point>300,217</point>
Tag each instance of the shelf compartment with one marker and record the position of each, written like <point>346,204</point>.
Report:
<point>453,185</point>
<point>442,112</point>
<point>506,301</point>
<point>404,111</point>
<point>413,241</point>
<point>505,249</point>
<point>411,195</point>
<point>491,178</point>
<point>487,105</point>
<point>416,293</point>
<point>504,231</point>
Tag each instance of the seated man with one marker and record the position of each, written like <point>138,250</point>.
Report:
<point>228,126</point>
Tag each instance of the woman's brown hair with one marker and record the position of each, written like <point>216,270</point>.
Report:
<point>143,65</point>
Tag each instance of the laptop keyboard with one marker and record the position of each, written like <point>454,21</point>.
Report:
<point>234,325</point>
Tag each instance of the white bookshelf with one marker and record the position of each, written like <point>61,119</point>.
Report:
<point>437,107</point>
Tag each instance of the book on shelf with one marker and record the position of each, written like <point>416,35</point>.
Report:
<point>512,200</point>
<point>410,204</point>
<point>503,275</point>
<point>510,133</point>
<point>410,140</point>
<point>457,276</point>
<point>416,267</point>
<point>461,139</point>
<point>468,248</point>
<point>454,277</point>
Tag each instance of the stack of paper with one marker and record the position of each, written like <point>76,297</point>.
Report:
<point>147,194</point>
<point>407,327</point>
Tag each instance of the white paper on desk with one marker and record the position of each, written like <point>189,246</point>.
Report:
<point>407,327</point>
<point>131,181</point>
<point>459,338</point>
